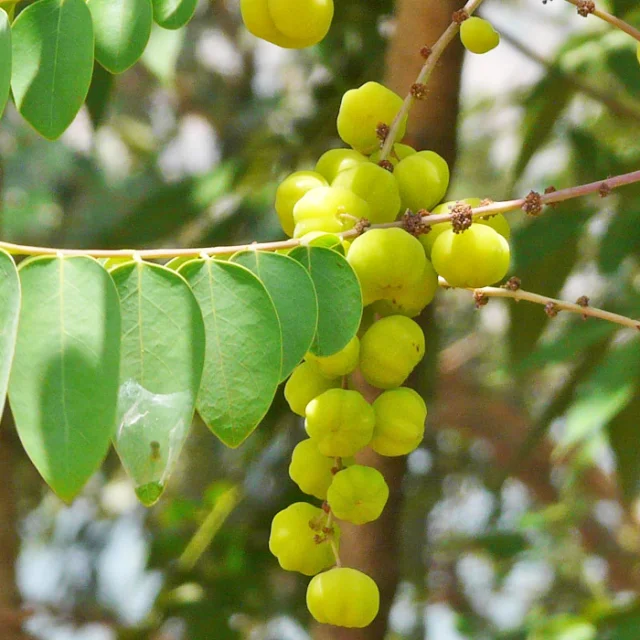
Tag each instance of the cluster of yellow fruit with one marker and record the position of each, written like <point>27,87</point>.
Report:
<point>398,272</point>
<point>292,24</point>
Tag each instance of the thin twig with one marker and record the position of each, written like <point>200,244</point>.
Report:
<point>553,305</point>
<point>428,220</point>
<point>423,77</point>
<point>612,20</point>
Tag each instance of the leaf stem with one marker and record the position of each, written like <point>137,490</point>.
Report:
<point>612,20</point>
<point>423,77</point>
<point>427,220</point>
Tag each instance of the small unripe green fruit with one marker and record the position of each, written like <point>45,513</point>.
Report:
<point>478,257</point>
<point>423,179</point>
<point>358,494</point>
<point>478,35</point>
<point>400,417</point>
<point>291,189</point>
<point>293,540</point>
<point>413,298</point>
<point>311,470</point>
<point>304,384</point>
<point>335,161</point>
<point>386,261</point>
<point>376,186</point>
<point>362,110</point>
<point>340,422</point>
<point>390,350</point>
<point>322,209</point>
<point>339,364</point>
<point>343,597</point>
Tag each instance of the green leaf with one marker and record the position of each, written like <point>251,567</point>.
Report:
<point>244,348</point>
<point>162,53</point>
<point>99,93</point>
<point>609,389</point>
<point>9,313</point>
<point>64,381</point>
<point>163,347</point>
<point>623,433</point>
<point>52,63</point>
<point>339,297</point>
<point>291,289</point>
<point>122,29</point>
<point>622,237</point>
<point>543,107</point>
<point>173,14</point>
<point>5,59</point>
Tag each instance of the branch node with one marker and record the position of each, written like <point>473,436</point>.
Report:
<point>551,309</point>
<point>461,217</point>
<point>513,284</point>
<point>583,301</point>
<point>533,204</point>
<point>426,51</point>
<point>362,225</point>
<point>412,223</point>
<point>604,190</point>
<point>419,90</point>
<point>386,164</point>
<point>586,7</point>
<point>382,131</point>
<point>481,299</point>
<point>460,16</point>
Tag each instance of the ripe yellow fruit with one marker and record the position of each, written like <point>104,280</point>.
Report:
<point>390,350</point>
<point>334,161</point>
<point>386,261</point>
<point>478,35</point>
<point>358,494</point>
<point>311,470</point>
<point>412,299</point>
<point>400,417</point>
<point>294,539</point>
<point>478,257</point>
<point>339,364</point>
<point>340,422</point>
<point>362,110</point>
<point>292,24</point>
<point>497,222</point>
<point>322,209</point>
<point>376,186</point>
<point>304,384</point>
<point>290,190</point>
<point>423,179</point>
<point>343,597</point>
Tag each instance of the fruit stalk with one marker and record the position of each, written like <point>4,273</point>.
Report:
<point>425,73</point>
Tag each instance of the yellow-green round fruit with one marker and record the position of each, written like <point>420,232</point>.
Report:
<point>334,161</point>
<point>390,350</point>
<point>311,470</point>
<point>269,19</point>
<point>322,209</point>
<point>376,186</point>
<point>362,110</point>
<point>478,35</point>
<point>340,422</point>
<point>423,179</point>
<point>412,299</point>
<point>307,20</point>
<point>293,539</point>
<point>326,240</point>
<point>343,597</point>
<point>358,494</point>
<point>291,189</point>
<point>304,384</point>
<point>475,258</point>
<point>399,152</point>
<point>497,222</point>
<point>386,261</point>
<point>339,364</point>
<point>400,417</point>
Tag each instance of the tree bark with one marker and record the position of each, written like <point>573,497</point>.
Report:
<point>374,548</point>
